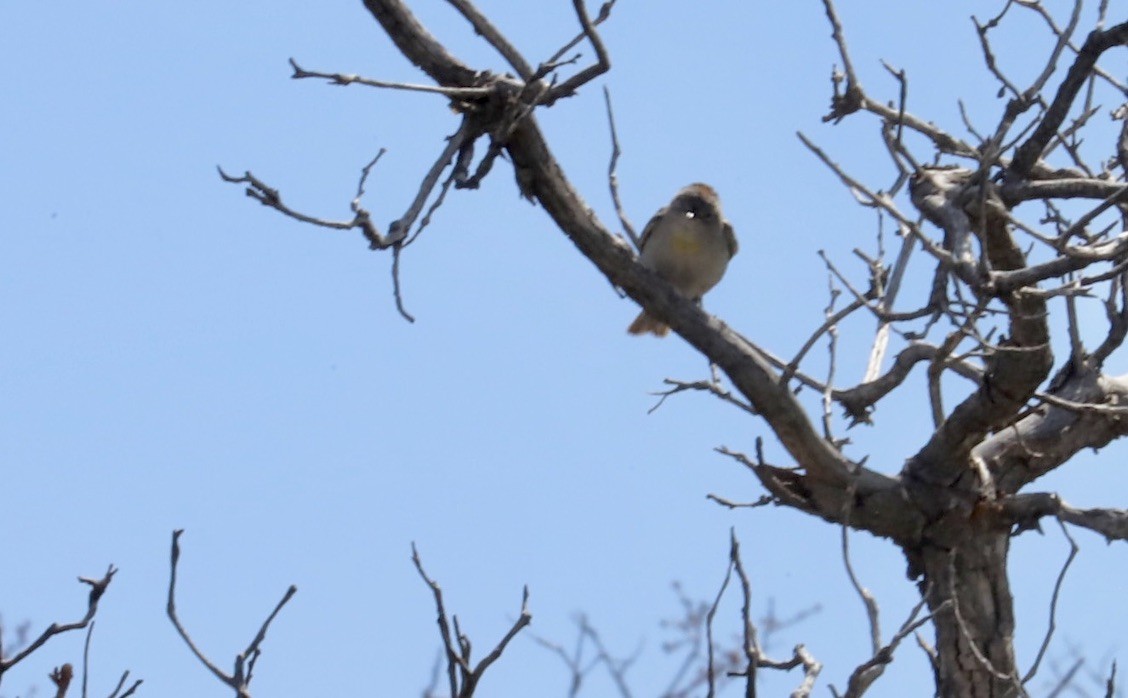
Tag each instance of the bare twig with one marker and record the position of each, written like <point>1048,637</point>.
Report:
<point>462,677</point>
<point>868,601</point>
<point>86,657</point>
<point>710,666</point>
<point>866,673</point>
<point>706,386</point>
<point>345,79</point>
<point>829,324</point>
<point>556,58</point>
<point>616,668</point>
<point>613,176</point>
<point>270,197</point>
<point>400,227</point>
<point>764,500</point>
<point>121,684</point>
<point>751,644</point>
<point>97,589</point>
<point>239,680</point>
<point>1073,549</point>
<point>601,65</point>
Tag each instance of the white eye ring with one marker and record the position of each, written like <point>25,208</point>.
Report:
<point>689,214</point>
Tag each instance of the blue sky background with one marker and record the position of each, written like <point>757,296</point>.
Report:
<point>174,355</point>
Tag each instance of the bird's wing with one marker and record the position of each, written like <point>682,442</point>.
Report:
<point>650,226</point>
<point>730,239</point>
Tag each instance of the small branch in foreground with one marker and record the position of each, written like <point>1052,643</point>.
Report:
<point>710,666</point>
<point>240,679</point>
<point>464,679</point>
<point>97,589</point>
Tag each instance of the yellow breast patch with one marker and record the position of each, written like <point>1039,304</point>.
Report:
<point>686,242</point>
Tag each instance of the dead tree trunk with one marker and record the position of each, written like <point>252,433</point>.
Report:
<point>974,616</point>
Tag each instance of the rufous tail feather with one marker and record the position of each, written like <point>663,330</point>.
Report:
<point>644,324</point>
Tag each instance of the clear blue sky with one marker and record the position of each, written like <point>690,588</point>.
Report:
<point>176,356</point>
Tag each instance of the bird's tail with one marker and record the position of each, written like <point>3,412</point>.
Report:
<point>644,324</point>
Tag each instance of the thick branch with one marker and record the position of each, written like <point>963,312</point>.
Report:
<point>1018,364</point>
<point>1024,511</point>
<point>748,370</point>
<point>485,28</point>
<point>1076,258</point>
<point>1050,435</point>
<point>858,400</point>
<point>540,177</point>
<point>419,45</point>
<point>1028,153</point>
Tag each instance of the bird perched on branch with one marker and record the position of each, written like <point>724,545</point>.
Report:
<point>689,244</point>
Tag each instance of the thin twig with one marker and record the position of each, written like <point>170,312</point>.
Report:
<point>706,386</point>
<point>458,657</point>
<point>710,665</point>
<point>86,657</point>
<point>345,79</point>
<point>751,644</point>
<point>1052,625</point>
<point>556,59</point>
<point>613,176</point>
<point>601,65</point>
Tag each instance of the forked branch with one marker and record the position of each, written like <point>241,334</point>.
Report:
<point>240,679</point>
<point>462,676</point>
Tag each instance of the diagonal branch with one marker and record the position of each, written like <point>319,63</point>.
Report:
<point>1052,434</point>
<point>485,28</point>
<point>97,589</point>
<point>1096,44</point>
<point>420,46</point>
<point>345,79</point>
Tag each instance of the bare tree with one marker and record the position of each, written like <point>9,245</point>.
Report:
<point>1009,221</point>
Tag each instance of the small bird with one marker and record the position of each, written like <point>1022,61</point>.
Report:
<point>689,244</point>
